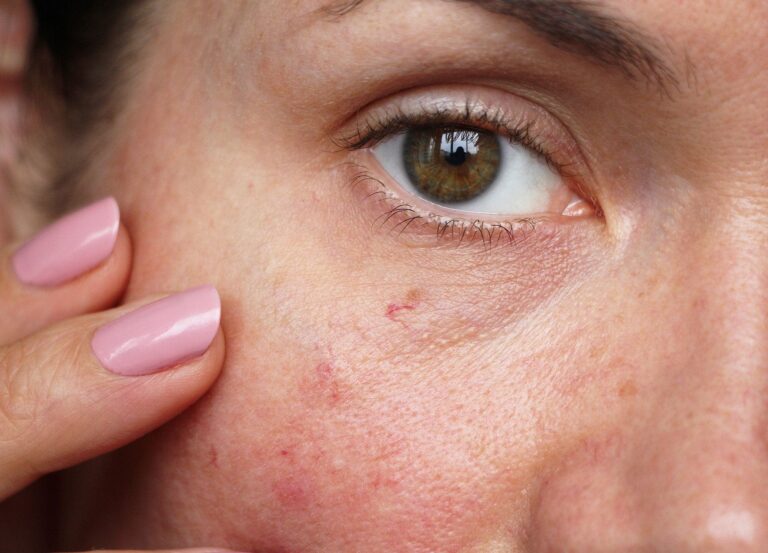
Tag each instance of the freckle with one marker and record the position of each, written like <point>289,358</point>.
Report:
<point>628,389</point>
<point>596,352</point>
<point>414,296</point>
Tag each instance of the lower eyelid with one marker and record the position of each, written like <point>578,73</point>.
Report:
<point>390,189</point>
<point>420,227</point>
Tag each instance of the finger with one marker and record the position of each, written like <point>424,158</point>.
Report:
<point>79,264</point>
<point>94,383</point>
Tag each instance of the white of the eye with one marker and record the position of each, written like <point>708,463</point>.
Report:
<point>524,184</point>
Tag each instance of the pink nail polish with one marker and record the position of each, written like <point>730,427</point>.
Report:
<point>160,334</point>
<point>69,247</point>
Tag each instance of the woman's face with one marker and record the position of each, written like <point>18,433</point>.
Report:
<point>579,364</point>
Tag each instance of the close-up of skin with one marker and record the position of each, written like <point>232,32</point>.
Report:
<point>582,368</point>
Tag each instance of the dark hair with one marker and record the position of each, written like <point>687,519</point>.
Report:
<point>80,45</point>
<point>81,58</point>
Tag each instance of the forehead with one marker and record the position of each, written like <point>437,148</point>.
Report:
<point>721,38</point>
<point>710,30</point>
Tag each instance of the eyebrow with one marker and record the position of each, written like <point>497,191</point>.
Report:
<point>577,26</point>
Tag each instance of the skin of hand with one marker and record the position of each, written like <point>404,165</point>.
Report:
<point>58,405</point>
<point>596,389</point>
<point>68,392</point>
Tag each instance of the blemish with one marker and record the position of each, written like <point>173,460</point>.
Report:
<point>213,457</point>
<point>412,300</point>
<point>379,481</point>
<point>321,386</point>
<point>394,308</point>
<point>293,492</point>
<point>324,371</point>
<point>628,389</point>
<point>328,382</point>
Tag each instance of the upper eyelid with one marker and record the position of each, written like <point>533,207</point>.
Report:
<point>516,133</point>
<point>466,100</point>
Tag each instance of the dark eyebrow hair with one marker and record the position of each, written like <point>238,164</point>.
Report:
<point>577,26</point>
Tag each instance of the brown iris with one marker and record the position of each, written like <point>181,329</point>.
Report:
<point>451,164</point>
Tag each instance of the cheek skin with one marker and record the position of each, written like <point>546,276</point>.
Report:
<point>378,396</point>
<point>406,403</point>
<point>372,393</point>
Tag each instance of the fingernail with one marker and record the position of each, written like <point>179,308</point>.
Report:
<point>69,247</point>
<point>160,334</point>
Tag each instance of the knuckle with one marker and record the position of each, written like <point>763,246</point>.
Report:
<point>30,373</point>
<point>16,409</point>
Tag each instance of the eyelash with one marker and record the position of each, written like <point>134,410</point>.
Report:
<point>374,129</point>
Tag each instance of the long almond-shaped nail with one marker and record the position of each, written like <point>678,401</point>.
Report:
<point>161,334</point>
<point>69,247</point>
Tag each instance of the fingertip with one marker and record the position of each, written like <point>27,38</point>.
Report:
<point>161,334</point>
<point>68,247</point>
<point>100,287</point>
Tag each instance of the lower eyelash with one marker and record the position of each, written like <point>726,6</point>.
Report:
<point>402,217</point>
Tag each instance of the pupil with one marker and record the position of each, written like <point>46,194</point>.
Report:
<point>456,157</point>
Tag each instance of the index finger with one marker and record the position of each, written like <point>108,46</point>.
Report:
<point>77,265</point>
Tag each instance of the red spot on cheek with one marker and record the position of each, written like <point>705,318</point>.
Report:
<point>380,481</point>
<point>293,492</point>
<point>394,308</point>
<point>327,382</point>
<point>412,299</point>
<point>213,457</point>
<point>324,371</point>
<point>322,387</point>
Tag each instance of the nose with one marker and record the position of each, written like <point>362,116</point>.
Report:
<point>686,468</point>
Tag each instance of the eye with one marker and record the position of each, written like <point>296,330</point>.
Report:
<point>474,170</point>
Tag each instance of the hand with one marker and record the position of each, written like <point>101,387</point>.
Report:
<point>75,381</point>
